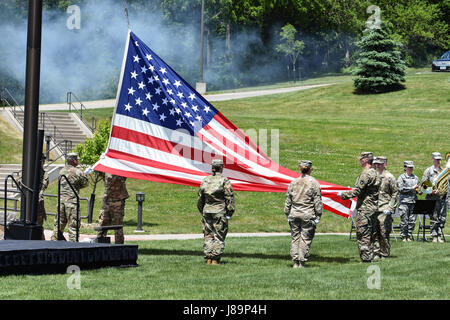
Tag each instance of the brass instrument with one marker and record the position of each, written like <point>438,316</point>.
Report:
<point>439,183</point>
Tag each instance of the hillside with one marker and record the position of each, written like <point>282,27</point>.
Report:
<point>329,126</point>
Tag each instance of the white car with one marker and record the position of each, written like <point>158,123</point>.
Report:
<point>442,64</point>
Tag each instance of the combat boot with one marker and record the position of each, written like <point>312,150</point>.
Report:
<point>405,240</point>
<point>435,239</point>
<point>296,265</point>
<point>215,261</point>
<point>208,261</point>
<point>440,240</point>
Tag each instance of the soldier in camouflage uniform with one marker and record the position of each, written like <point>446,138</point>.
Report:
<point>303,209</point>
<point>387,203</point>
<point>216,204</point>
<point>408,187</point>
<point>438,217</point>
<point>68,201</point>
<point>366,191</point>
<point>41,214</point>
<point>113,206</point>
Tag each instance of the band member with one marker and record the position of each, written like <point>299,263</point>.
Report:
<point>408,188</point>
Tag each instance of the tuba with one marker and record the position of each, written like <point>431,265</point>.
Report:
<point>439,183</point>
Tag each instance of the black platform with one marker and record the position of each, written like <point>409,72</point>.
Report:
<point>41,257</point>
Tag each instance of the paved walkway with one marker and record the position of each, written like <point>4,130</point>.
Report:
<point>109,103</point>
<point>149,237</point>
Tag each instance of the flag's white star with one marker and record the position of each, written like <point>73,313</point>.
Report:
<point>149,57</point>
<point>128,107</point>
<point>148,96</point>
<point>145,112</point>
<point>195,108</point>
<point>206,109</point>
<point>180,95</point>
<point>144,69</point>
<point>158,90</point>
<point>136,43</point>
<point>155,106</point>
<point>136,58</point>
<point>179,122</point>
<point>141,85</point>
<point>177,83</point>
<point>162,117</point>
<point>138,101</point>
<point>151,80</point>
<point>192,96</point>
<point>192,123</point>
<point>166,82</point>
<point>184,105</point>
<point>133,74</point>
<point>169,91</point>
<point>187,114</point>
<point>131,91</point>
<point>198,118</point>
<point>156,78</point>
<point>164,101</point>
<point>178,110</point>
<point>172,101</point>
<point>172,111</point>
<point>163,70</point>
<point>152,68</point>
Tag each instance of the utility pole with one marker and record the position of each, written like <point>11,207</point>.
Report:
<point>201,86</point>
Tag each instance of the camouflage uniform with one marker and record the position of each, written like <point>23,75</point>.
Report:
<point>437,219</point>
<point>215,203</point>
<point>113,205</point>
<point>68,201</point>
<point>387,201</point>
<point>41,214</point>
<point>407,199</point>
<point>303,207</point>
<point>366,191</point>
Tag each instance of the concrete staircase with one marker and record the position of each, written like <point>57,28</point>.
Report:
<point>60,125</point>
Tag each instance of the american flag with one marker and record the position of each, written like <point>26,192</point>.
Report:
<point>163,130</point>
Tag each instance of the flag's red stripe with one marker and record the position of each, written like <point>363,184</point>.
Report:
<point>147,176</point>
<point>115,154</point>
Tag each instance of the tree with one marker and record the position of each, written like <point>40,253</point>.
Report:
<point>89,153</point>
<point>380,67</point>
<point>290,47</point>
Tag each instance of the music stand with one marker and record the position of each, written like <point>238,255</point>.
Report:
<point>425,207</point>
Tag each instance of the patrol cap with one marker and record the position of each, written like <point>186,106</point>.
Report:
<point>72,156</point>
<point>409,164</point>
<point>305,163</point>
<point>368,155</point>
<point>217,163</point>
<point>378,160</point>
<point>436,155</point>
<point>382,158</point>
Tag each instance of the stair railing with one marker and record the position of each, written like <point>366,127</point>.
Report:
<point>7,99</point>
<point>81,111</point>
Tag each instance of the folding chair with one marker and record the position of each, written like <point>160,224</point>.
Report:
<point>423,225</point>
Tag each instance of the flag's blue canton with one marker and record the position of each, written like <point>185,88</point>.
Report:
<point>153,92</point>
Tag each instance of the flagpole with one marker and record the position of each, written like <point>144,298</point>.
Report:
<point>126,13</point>
<point>119,87</point>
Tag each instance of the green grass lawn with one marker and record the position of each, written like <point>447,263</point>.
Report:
<point>329,126</point>
<point>253,268</point>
